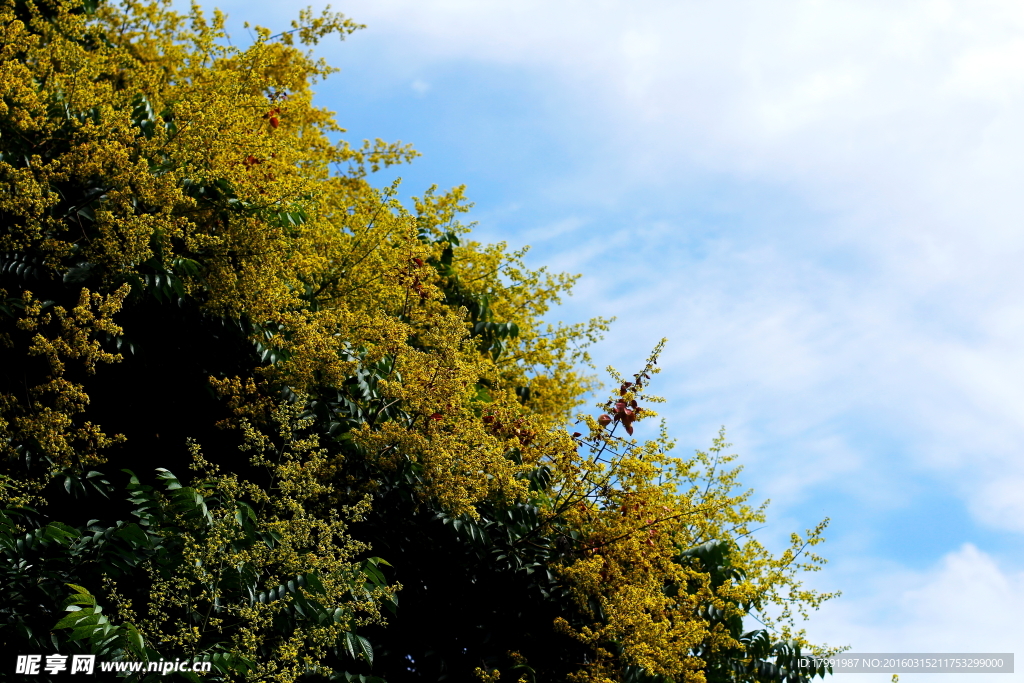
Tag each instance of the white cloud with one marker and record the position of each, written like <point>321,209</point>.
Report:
<point>1000,502</point>
<point>901,99</point>
<point>964,603</point>
<point>555,230</point>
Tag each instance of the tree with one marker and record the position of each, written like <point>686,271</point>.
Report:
<point>274,420</point>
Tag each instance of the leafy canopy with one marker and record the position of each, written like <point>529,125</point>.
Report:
<point>276,420</point>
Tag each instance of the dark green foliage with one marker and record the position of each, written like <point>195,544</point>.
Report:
<point>474,590</point>
<point>47,567</point>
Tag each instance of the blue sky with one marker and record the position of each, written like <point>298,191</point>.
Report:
<point>818,203</point>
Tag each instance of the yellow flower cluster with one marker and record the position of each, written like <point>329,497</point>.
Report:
<point>639,510</point>
<point>46,416</point>
<point>301,539</point>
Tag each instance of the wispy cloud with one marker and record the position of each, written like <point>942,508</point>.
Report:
<point>966,602</point>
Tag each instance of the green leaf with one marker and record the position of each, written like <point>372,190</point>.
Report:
<point>71,620</point>
<point>357,646</point>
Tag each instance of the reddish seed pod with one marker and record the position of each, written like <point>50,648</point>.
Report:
<point>604,420</point>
